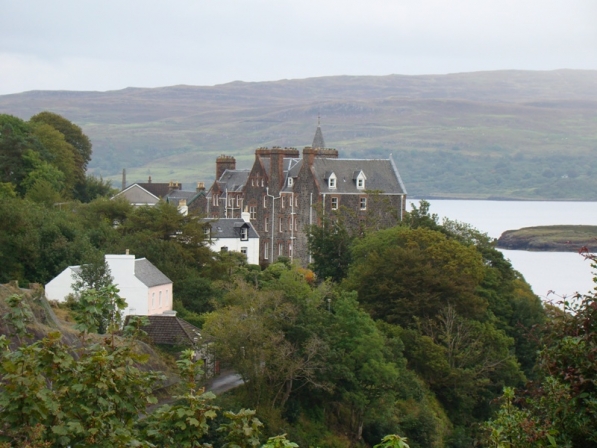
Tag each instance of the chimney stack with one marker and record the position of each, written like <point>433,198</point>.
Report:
<point>224,163</point>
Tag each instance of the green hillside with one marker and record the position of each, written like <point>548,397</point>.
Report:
<point>503,134</point>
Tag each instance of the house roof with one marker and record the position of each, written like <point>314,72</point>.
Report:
<point>136,194</point>
<point>230,228</point>
<point>169,329</point>
<point>159,189</point>
<point>233,180</point>
<point>149,274</point>
<point>381,175</point>
<point>175,196</point>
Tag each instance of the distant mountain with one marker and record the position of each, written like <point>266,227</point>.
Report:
<point>501,134</point>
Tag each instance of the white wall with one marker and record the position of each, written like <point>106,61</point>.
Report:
<point>60,286</point>
<point>134,291</point>
<point>235,245</point>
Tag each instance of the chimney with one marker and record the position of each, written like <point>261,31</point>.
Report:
<point>123,178</point>
<point>309,155</point>
<point>276,169</point>
<point>149,180</point>
<point>224,163</point>
<point>200,186</point>
<point>245,215</point>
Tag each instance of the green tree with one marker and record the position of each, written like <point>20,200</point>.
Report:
<point>401,273</point>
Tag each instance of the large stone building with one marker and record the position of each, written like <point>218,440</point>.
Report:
<point>286,191</point>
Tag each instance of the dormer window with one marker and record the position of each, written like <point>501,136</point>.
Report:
<point>359,178</point>
<point>332,181</point>
<point>290,181</point>
<point>244,233</point>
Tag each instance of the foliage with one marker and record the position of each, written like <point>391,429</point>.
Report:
<point>560,406</point>
<point>393,441</point>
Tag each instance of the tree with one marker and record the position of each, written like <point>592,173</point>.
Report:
<point>403,273</point>
<point>73,135</point>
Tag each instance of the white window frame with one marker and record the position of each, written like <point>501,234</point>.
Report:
<point>266,250</point>
<point>252,212</point>
<point>290,181</point>
<point>332,182</point>
<point>334,203</point>
<point>264,201</point>
<point>280,224</point>
<point>244,234</point>
<point>363,203</point>
<point>266,224</point>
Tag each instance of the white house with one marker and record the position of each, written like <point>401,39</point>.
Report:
<point>235,234</point>
<point>145,288</point>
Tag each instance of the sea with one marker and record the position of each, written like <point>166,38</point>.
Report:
<point>552,275</point>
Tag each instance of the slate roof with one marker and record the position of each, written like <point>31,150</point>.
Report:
<point>176,195</point>
<point>318,141</point>
<point>230,228</point>
<point>136,194</point>
<point>381,175</point>
<point>149,274</point>
<point>158,189</point>
<point>169,329</point>
<point>233,180</point>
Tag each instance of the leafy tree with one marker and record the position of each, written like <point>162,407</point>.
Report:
<point>401,273</point>
<point>74,136</point>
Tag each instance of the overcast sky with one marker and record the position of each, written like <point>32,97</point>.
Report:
<point>109,45</point>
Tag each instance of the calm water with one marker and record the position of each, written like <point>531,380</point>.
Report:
<point>563,272</point>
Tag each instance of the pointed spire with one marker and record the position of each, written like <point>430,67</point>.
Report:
<point>318,141</point>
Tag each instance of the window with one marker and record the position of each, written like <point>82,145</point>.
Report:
<point>280,249</point>
<point>264,201</point>
<point>363,203</point>
<point>231,201</point>
<point>332,182</point>
<point>238,201</point>
<point>359,177</point>
<point>290,223</point>
<point>153,299</point>
<point>290,250</point>
<point>244,233</point>
<point>283,201</point>
<point>334,203</point>
<point>253,212</point>
<point>296,201</point>
<point>243,250</point>
<point>214,200</point>
<point>252,182</point>
<point>207,231</point>
<point>266,224</point>
<point>295,224</point>
<point>262,182</point>
<point>160,300</point>
<point>280,225</point>
<point>290,181</point>
<point>266,251</point>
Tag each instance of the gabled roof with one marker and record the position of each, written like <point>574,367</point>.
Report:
<point>136,194</point>
<point>149,274</point>
<point>381,175</point>
<point>159,189</point>
<point>230,228</point>
<point>169,329</point>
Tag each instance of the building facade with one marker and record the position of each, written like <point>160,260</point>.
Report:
<point>285,191</point>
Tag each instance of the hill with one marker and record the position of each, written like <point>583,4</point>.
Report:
<point>502,134</point>
<point>564,238</point>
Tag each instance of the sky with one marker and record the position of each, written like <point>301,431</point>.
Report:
<point>104,45</point>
